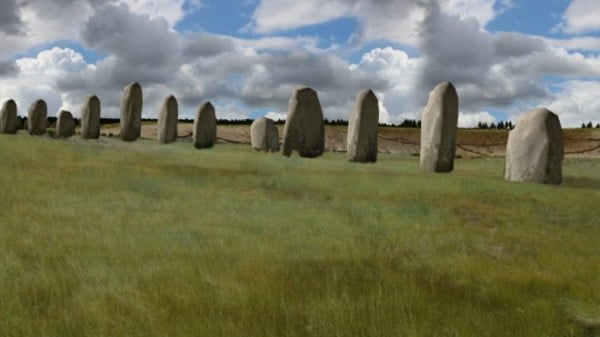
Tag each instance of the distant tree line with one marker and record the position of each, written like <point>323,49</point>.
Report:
<point>589,125</point>
<point>407,123</point>
<point>501,125</point>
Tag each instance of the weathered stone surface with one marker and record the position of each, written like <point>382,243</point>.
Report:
<point>131,112</point>
<point>534,151</point>
<point>90,118</point>
<point>264,135</point>
<point>9,121</point>
<point>438,129</point>
<point>37,117</point>
<point>167,120</point>
<point>304,130</point>
<point>205,127</point>
<point>65,124</point>
<point>362,128</point>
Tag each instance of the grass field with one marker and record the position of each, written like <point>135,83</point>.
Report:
<point>106,238</point>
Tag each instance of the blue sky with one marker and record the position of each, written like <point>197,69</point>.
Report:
<point>246,56</point>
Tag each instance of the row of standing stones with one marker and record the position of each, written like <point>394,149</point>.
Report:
<point>534,150</point>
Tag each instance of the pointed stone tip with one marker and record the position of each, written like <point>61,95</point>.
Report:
<point>206,104</point>
<point>446,85</point>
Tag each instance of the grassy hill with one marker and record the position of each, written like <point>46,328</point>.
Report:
<point>106,238</point>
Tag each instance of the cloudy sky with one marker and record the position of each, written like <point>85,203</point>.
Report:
<point>246,56</point>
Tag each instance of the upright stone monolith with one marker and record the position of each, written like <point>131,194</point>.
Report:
<point>9,121</point>
<point>167,121</point>
<point>362,128</point>
<point>37,117</point>
<point>65,124</point>
<point>438,129</point>
<point>205,127</point>
<point>304,130</point>
<point>534,151</point>
<point>131,112</point>
<point>264,135</point>
<point>90,118</point>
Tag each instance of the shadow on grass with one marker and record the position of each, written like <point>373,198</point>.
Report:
<point>582,182</point>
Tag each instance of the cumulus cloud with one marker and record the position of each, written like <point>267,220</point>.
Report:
<point>38,76</point>
<point>499,71</point>
<point>493,70</point>
<point>581,16</point>
<point>576,102</point>
<point>378,19</point>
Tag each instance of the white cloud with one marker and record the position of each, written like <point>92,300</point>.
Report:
<point>378,19</point>
<point>280,15</point>
<point>469,120</point>
<point>581,16</point>
<point>37,78</point>
<point>400,100</point>
<point>171,10</point>
<point>576,102</point>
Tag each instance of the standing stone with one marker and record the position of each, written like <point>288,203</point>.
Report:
<point>37,117</point>
<point>90,118</point>
<point>131,112</point>
<point>362,128</point>
<point>205,127</point>
<point>9,121</point>
<point>264,135</point>
<point>167,121</point>
<point>25,123</point>
<point>304,130</point>
<point>534,151</point>
<point>65,124</point>
<point>438,129</point>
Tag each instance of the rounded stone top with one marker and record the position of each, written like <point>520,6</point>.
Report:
<point>39,102</point>
<point>61,112</point>
<point>171,97</point>
<point>93,98</point>
<point>10,103</point>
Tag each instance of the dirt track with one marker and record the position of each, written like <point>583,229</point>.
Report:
<point>578,142</point>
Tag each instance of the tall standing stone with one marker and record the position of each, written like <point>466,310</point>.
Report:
<point>534,151</point>
<point>9,121</point>
<point>131,112</point>
<point>438,129</point>
<point>65,124</point>
<point>167,121</point>
<point>362,128</point>
<point>37,117</point>
<point>90,118</point>
<point>304,130</point>
<point>205,127</point>
<point>264,135</point>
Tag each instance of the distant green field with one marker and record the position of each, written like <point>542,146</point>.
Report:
<point>106,238</point>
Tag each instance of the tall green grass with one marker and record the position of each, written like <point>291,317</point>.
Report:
<point>106,238</point>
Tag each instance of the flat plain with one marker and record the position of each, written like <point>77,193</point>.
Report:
<point>108,238</point>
